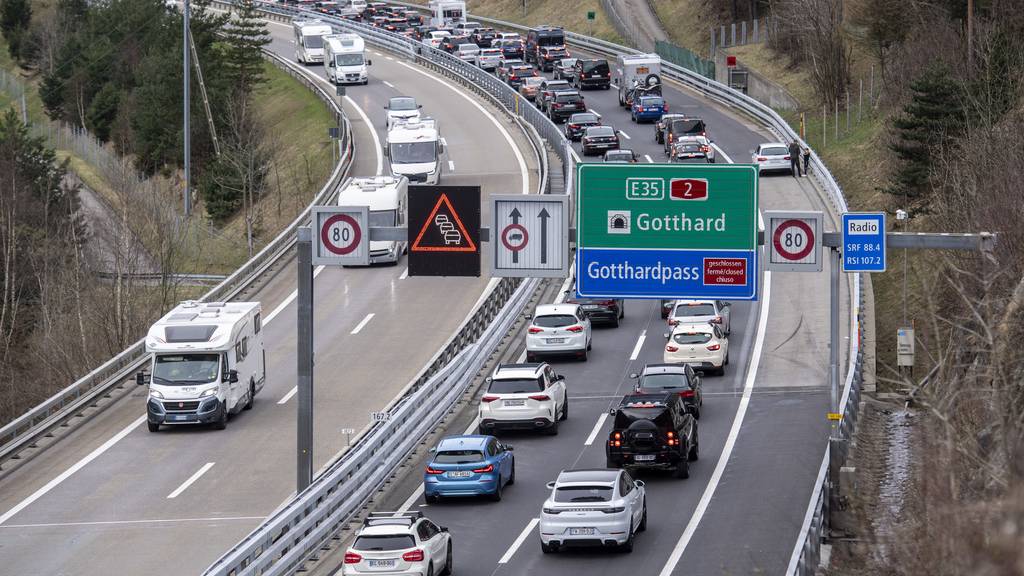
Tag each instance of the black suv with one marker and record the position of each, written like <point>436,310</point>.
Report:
<point>483,37</point>
<point>578,124</point>
<point>608,311</point>
<point>564,105</point>
<point>592,74</point>
<point>679,379</point>
<point>653,431</point>
<point>689,126</point>
<point>547,90</point>
<point>549,56</point>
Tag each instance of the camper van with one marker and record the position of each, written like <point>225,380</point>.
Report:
<point>345,59</point>
<point>414,148</point>
<point>309,40</point>
<point>637,75</point>
<point>207,363</point>
<point>388,200</point>
<point>447,13</point>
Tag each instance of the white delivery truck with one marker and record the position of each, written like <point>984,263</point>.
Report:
<point>637,75</point>
<point>345,59</point>
<point>387,198</point>
<point>447,13</point>
<point>207,362</point>
<point>309,40</point>
<point>414,149</point>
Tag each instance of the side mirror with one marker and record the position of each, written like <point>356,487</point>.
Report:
<point>233,376</point>
<point>330,64</point>
<point>550,485</point>
<point>142,378</point>
<point>668,335</point>
<point>432,450</point>
<point>510,448</point>
<point>369,62</point>
<point>442,528</point>
<point>559,378</point>
<point>419,106</point>
<point>639,483</point>
<point>611,411</point>
<point>488,379</point>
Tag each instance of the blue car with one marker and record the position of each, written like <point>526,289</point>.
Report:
<point>649,108</point>
<point>469,466</point>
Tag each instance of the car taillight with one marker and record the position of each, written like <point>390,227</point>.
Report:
<point>687,394</point>
<point>540,397</point>
<point>672,440</point>
<point>616,439</point>
<point>665,107</point>
<point>714,347</point>
<point>575,329</point>
<point>671,348</point>
<point>670,138</point>
<point>607,303</point>
<point>485,469</point>
<point>556,105</point>
<point>705,149</point>
<point>352,558</point>
<point>785,157</point>
<point>488,398</point>
<point>761,158</point>
<point>413,556</point>
<point>573,126</point>
<point>673,322</point>
<point>716,320</point>
<point>535,330</point>
<point>434,471</point>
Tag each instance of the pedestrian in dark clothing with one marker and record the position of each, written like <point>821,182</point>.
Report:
<point>807,159</point>
<point>794,158</point>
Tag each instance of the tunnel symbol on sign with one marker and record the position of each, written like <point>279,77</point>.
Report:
<point>619,221</point>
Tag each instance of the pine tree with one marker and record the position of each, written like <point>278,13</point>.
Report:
<point>15,17</point>
<point>245,37</point>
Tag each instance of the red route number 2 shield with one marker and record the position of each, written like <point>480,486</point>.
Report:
<point>688,189</point>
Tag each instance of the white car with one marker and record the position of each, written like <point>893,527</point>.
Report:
<point>489,58</point>
<point>401,108</point>
<point>435,38</point>
<point>693,311</point>
<point>558,329</point>
<point>701,345</point>
<point>596,507</point>
<point>399,543</point>
<point>468,53</point>
<point>771,157</point>
<point>524,397</point>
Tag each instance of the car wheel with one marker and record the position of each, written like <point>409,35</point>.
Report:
<point>512,476</point>
<point>547,548</point>
<point>565,409</point>
<point>222,422</point>
<point>628,546</point>
<point>496,497</point>
<point>252,396</point>
<point>432,498</point>
<point>612,464</point>
<point>696,412</point>
<point>552,430</point>
<point>622,310</point>
<point>694,452</point>
<point>449,562</point>
<point>615,322</point>
<point>590,345</point>
<point>530,357</point>
<point>682,471</point>
<point>643,520</point>
<point>153,426</point>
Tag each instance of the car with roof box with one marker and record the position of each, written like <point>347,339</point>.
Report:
<point>594,508</point>
<point>468,465</point>
<point>655,431</point>
<point>526,396</point>
<point>399,543</point>
<point>681,379</point>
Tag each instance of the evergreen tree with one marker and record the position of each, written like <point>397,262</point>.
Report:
<point>15,17</point>
<point>245,37</point>
<point>885,26</point>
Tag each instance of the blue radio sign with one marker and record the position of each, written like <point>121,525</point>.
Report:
<point>864,242</point>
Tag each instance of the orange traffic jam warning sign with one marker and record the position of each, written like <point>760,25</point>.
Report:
<point>443,231</point>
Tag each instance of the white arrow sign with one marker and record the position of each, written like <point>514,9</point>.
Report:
<point>530,236</point>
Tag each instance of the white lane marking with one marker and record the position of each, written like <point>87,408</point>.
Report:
<point>362,324</point>
<point>120,522</point>
<point>373,133</point>
<point>624,134</point>
<point>639,346</point>
<point>597,428</point>
<point>444,142</point>
<point>722,152</point>
<point>523,171</point>
<point>451,165</point>
<point>184,485</point>
<point>594,112</point>
<point>405,274</point>
<point>575,156</point>
<point>291,298</point>
<point>730,442</point>
<point>519,541</point>
<point>74,468</point>
<point>284,399</point>
<point>388,84</point>
<point>419,489</point>
<point>648,158</point>
<point>390,58</point>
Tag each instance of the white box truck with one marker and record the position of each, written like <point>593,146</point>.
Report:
<point>414,149</point>
<point>637,75</point>
<point>447,13</point>
<point>387,198</point>
<point>345,59</point>
<point>207,363</point>
<point>309,40</point>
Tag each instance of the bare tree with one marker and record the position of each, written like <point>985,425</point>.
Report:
<point>246,152</point>
<point>811,31</point>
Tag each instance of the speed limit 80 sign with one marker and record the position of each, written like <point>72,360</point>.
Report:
<point>793,240</point>
<point>341,236</point>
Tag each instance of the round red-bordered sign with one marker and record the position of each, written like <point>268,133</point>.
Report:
<point>514,228</point>
<point>777,239</point>
<point>325,237</point>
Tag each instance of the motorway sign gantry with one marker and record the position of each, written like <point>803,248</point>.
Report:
<point>341,236</point>
<point>530,236</point>
<point>667,231</point>
<point>864,242</point>
<point>793,241</point>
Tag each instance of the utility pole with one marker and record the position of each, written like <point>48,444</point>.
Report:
<point>970,31</point>
<point>185,77</point>
<point>304,340</point>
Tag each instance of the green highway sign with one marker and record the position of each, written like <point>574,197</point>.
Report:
<point>667,231</point>
<point>591,15</point>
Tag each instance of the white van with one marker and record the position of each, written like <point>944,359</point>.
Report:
<point>414,149</point>
<point>388,200</point>
<point>309,40</point>
<point>208,362</point>
<point>447,13</point>
<point>345,59</point>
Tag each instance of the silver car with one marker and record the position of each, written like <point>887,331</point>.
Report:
<point>489,58</point>
<point>711,311</point>
<point>468,53</point>
<point>594,507</point>
<point>771,157</point>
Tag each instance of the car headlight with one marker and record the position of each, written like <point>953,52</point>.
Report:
<point>208,393</point>
<point>156,394</point>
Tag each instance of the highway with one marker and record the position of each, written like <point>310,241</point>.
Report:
<point>762,430</point>
<point>116,499</point>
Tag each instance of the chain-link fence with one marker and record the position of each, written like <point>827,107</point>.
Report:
<point>686,58</point>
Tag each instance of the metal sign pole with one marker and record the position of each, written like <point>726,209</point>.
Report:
<point>304,379</point>
<point>833,352</point>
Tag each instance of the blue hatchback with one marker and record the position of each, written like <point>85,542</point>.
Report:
<point>469,466</point>
<point>648,108</point>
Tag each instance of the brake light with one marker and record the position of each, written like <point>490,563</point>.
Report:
<point>485,469</point>
<point>664,107</point>
<point>687,394</point>
<point>434,471</point>
<point>575,329</point>
<point>607,302</point>
<point>535,330</point>
<point>714,347</point>
<point>616,439</point>
<point>785,157</point>
<point>488,398</point>
<point>352,558</point>
<point>761,158</point>
<point>540,397</point>
<point>670,138</point>
<point>672,441</point>
<point>716,320</point>
<point>671,348</point>
<point>413,556</point>
<point>705,149</point>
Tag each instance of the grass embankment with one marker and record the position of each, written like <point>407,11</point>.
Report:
<point>685,23</point>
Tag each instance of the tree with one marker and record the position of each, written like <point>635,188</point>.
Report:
<point>102,111</point>
<point>245,37</point>
<point>15,17</point>
<point>885,24</point>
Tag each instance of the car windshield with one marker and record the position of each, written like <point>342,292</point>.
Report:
<point>774,151</point>
<point>556,85</point>
<point>653,381</point>
<point>313,41</point>
<point>468,48</point>
<point>458,456</point>
<point>533,81</point>
<point>185,369</point>
<point>554,320</point>
<point>567,62</point>
<point>582,119</point>
<point>600,131</point>
<point>652,102</point>
<point>402,104</point>
<point>591,66</point>
<point>413,152</point>
<point>348,60</point>
<point>382,217</point>
<point>687,126</point>
<point>583,494</point>
<point>688,310</point>
<point>692,337</point>
<point>567,97</point>
<point>515,386</point>
<point>524,70</point>
<point>551,39</point>
<point>688,147</point>
<point>384,542</point>
<point>618,156</point>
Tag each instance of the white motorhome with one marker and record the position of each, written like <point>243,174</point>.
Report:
<point>207,363</point>
<point>414,149</point>
<point>309,40</point>
<point>345,59</point>
<point>387,198</point>
<point>637,75</point>
<point>447,13</point>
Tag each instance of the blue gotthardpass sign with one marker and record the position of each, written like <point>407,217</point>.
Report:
<point>649,273</point>
<point>864,242</point>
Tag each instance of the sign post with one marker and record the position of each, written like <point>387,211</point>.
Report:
<point>304,354</point>
<point>531,236</point>
<point>667,231</point>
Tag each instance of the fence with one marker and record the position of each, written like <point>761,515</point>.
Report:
<point>686,58</point>
<point>739,34</point>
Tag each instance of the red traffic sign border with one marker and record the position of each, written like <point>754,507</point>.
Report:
<point>781,250</point>
<point>326,240</point>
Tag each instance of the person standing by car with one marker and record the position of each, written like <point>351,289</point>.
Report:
<point>794,158</point>
<point>807,159</point>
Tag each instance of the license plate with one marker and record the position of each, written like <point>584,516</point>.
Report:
<point>179,417</point>
<point>556,340</point>
<point>458,474</point>
<point>380,563</point>
<point>515,402</point>
<point>591,307</point>
<point>581,531</point>
<point>644,457</point>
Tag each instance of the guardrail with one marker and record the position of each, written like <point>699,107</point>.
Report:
<point>26,430</point>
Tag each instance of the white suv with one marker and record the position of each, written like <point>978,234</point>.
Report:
<point>399,543</point>
<point>700,345</point>
<point>524,396</point>
<point>692,311</point>
<point>598,507</point>
<point>558,329</point>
